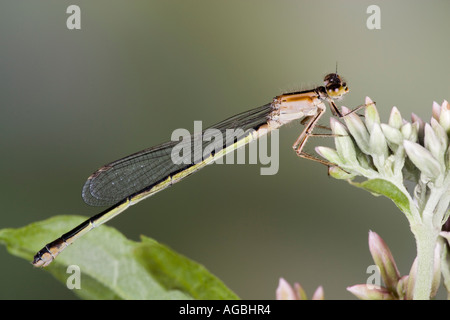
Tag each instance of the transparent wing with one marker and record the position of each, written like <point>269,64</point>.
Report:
<point>142,170</point>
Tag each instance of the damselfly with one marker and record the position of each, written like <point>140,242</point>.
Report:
<point>127,181</point>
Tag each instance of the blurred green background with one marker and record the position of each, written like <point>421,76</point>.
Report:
<point>73,100</point>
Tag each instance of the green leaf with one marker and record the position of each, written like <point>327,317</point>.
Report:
<point>387,189</point>
<point>113,267</point>
<point>174,271</point>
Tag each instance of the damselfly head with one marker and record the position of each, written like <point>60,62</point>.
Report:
<point>335,86</point>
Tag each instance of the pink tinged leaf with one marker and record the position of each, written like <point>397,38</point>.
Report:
<point>318,294</point>
<point>285,291</point>
<point>301,294</point>
<point>383,258</point>
<point>444,118</point>
<point>436,110</point>
<point>370,292</point>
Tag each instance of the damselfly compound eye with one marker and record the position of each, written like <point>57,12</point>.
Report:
<point>335,86</point>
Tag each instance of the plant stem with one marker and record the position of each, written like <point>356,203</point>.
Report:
<point>426,239</point>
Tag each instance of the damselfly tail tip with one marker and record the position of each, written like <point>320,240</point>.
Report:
<point>41,259</point>
<point>46,255</point>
